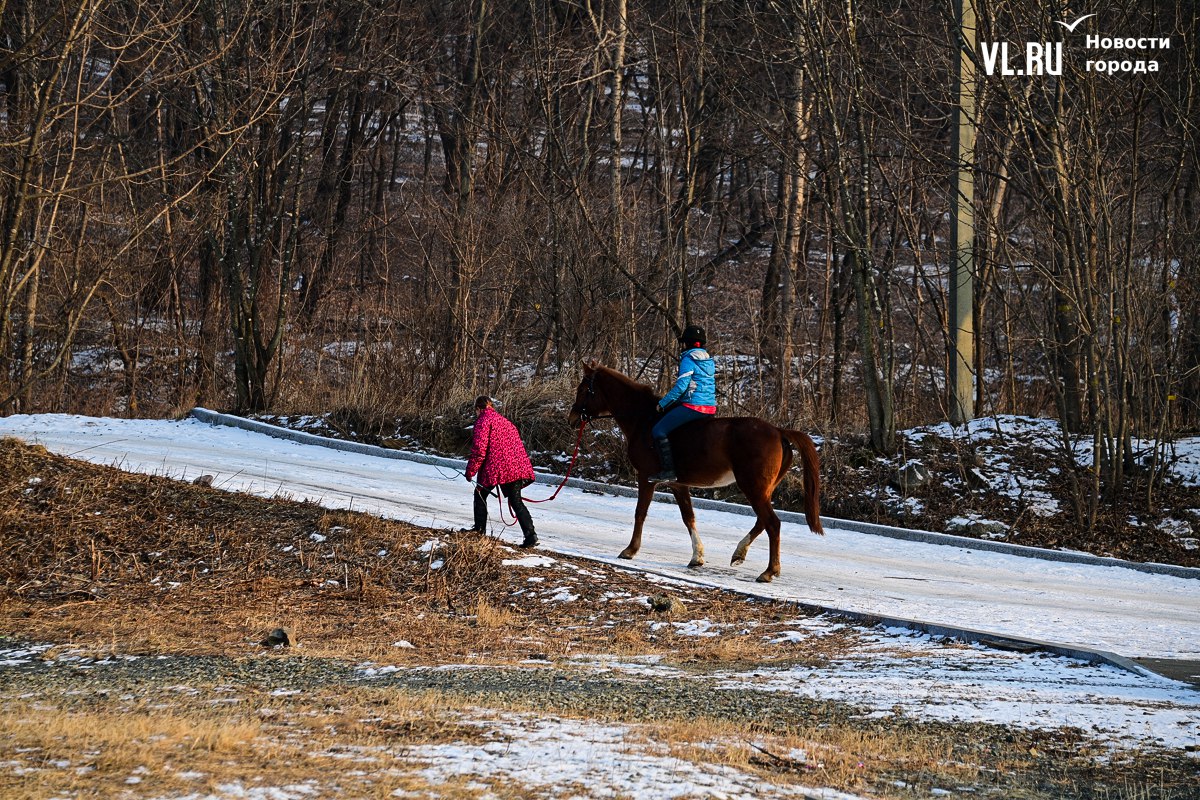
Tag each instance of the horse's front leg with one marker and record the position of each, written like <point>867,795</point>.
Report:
<point>683,496</point>
<point>645,495</point>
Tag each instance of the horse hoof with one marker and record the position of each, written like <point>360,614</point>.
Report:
<point>766,577</point>
<point>696,562</point>
<point>626,554</point>
<point>733,562</point>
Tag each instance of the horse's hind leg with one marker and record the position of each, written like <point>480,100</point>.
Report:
<point>752,486</point>
<point>739,552</point>
<point>684,498</point>
<point>757,477</point>
<point>645,495</point>
<point>767,518</point>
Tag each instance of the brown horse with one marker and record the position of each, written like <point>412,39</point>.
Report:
<point>708,453</point>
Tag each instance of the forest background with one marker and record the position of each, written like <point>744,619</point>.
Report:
<point>381,209</point>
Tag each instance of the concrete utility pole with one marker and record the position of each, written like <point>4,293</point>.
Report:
<point>962,226</point>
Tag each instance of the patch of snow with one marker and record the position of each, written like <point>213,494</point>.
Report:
<point>530,561</point>
<point>913,676</point>
<point>702,628</point>
<point>550,754</point>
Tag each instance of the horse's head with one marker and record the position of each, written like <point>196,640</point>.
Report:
<point>590,402</point>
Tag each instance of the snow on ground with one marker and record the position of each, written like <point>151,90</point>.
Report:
<point>1105,607</point>
<point>557,754</point>
<point>900,673</point>
<point>991,438</point>
<point>897,673</point>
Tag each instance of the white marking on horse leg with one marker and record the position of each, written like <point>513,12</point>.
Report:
<point>739,552</point>
<point>697,548</point>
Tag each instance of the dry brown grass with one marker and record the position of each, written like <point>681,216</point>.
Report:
<point>103,747</point>
<point>354,740</point>
<point>488,616</point>
<point>815,756</point>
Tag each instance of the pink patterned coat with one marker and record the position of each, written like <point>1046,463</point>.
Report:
<point>497,453</point>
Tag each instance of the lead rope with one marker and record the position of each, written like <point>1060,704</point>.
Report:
<point>579,438</point>
<point>500,506</point>
<point>500,495</point>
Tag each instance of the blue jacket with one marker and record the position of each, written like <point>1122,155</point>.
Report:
<point>696,385</point>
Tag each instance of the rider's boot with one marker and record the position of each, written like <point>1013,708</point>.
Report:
<point>666,462</point>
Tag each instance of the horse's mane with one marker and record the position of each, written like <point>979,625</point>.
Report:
<point>631,385</point>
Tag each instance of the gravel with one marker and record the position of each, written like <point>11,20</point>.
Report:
<point>574,689</point>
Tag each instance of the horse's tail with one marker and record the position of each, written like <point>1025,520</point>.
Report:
<point>812,476</point>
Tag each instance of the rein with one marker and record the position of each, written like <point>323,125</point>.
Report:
<point>500,506</point>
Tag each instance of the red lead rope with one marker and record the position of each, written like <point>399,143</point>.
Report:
<point>574,456</point>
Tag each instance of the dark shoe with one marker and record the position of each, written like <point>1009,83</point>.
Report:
<point>468,530</point>
<point>529,543</point>
<point>666,462</point>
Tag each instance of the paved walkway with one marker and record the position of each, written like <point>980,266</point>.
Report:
<point>1176,669</point>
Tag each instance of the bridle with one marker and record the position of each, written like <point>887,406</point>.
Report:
<point>584,419</point>
<point>584,415</point>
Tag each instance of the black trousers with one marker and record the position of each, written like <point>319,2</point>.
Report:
<point>512,492</point>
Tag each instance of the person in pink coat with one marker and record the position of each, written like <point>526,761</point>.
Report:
<point>498,457</point>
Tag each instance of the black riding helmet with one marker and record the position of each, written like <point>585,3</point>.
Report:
<point>693,336</point>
